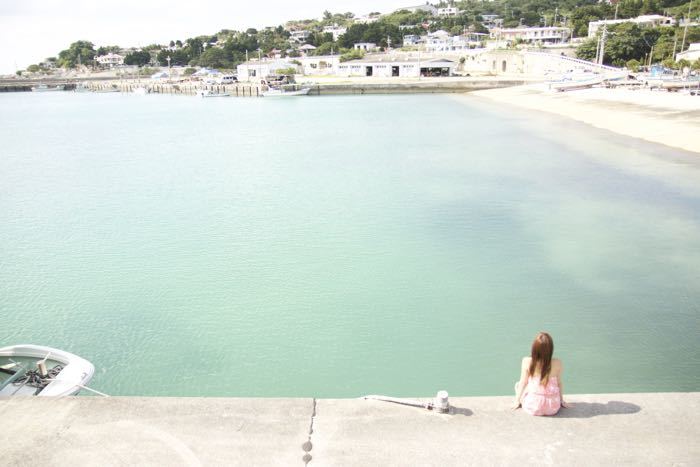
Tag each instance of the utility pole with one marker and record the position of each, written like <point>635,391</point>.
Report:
<point>602,43</point>
<point>685,30</point>
<point>675,43</point>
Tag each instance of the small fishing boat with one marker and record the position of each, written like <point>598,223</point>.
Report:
<point>33,370</point>
<point>207,93</point>
<point>45,88</point>
<point>280,92</point>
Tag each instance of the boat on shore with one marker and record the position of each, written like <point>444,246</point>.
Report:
<point>34,370</point>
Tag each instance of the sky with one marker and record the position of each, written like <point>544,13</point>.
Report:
<point>31,30</point>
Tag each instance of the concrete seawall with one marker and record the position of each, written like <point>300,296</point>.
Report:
<point>602,429</point>
<point>415,87</point>
<point>245,89</point>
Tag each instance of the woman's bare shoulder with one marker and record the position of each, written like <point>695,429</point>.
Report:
<point>526,361</point>
<point>556,363</point>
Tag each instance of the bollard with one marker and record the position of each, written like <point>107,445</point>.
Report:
<point>442,404</point>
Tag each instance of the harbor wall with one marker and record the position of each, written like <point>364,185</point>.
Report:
<point>600,429</point>
<point>245,89</point>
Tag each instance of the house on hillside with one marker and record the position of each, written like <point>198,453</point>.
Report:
<point>448,11</point>
<point>644,21</point>
<point>410,40</point>
<point>306,49</point>
<point>110,60</point>
<point>366,46</point>
<point>543,35</point>
<point>299,36</point>
<point>336,30</point>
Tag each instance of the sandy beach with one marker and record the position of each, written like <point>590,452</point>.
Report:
<point>661,117</point>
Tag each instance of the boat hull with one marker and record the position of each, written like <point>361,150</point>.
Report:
<point>76,371</point>
<point>279,93</point>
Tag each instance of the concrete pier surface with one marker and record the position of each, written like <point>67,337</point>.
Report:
<point>601,429</point>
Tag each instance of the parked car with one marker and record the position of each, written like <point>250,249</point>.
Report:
<point>227,79</point>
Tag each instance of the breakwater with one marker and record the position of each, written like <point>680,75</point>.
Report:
<point>600,429</point>
<point>249,89</point>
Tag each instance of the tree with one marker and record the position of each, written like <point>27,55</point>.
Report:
<point>352,55</point>
<point>33,68</point>
<point>627,41</point>
<point>82,52</point>
<point>587,50</point>
<point>215,57</point>
<point>138,58</point>
<point>325,48</point>
<point>108,49</point>
<point>633,65</point>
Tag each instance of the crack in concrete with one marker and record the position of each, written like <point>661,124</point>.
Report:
<point>307,446</point>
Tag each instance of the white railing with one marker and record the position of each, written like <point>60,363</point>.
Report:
<point>576,61</point>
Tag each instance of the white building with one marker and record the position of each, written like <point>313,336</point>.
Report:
<point>644,21</point>
<point>366,19</point>
<point>336,30</point>
<point>320,65</point>
<point>545,35</point>
<point>412,40</point>
<point>366,46</point>
<point>255,70</point>
<point>449,11</point>
<point>299,36</point>
<point>387,67</point>
<point>692,54</point>
<point>455,43</point>
<point>110,60</point>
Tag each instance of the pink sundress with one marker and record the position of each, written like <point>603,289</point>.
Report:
<point>541,400</point>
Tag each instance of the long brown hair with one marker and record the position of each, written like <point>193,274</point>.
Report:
<point>542,350</point>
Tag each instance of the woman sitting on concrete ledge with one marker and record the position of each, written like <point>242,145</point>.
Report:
<point>540,390</point>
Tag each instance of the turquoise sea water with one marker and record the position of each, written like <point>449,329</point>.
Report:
<point>341,246</point>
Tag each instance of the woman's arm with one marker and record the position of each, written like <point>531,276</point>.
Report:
<point>561,387</point>
<point>520,387</point>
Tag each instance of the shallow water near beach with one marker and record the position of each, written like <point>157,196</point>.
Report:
<point>344,245</point>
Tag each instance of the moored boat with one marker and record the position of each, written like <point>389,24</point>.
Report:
<point>207,93</point>
<point>45,88</point>
<point>33,370</point>
<point>280,92</point>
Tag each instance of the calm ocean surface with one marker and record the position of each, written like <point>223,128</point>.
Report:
<point>342,246</point>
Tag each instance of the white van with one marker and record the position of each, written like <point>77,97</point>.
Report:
<point>227,79</point>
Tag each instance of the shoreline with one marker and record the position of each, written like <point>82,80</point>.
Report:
<point>666,118</point>
<point>599,429</point>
